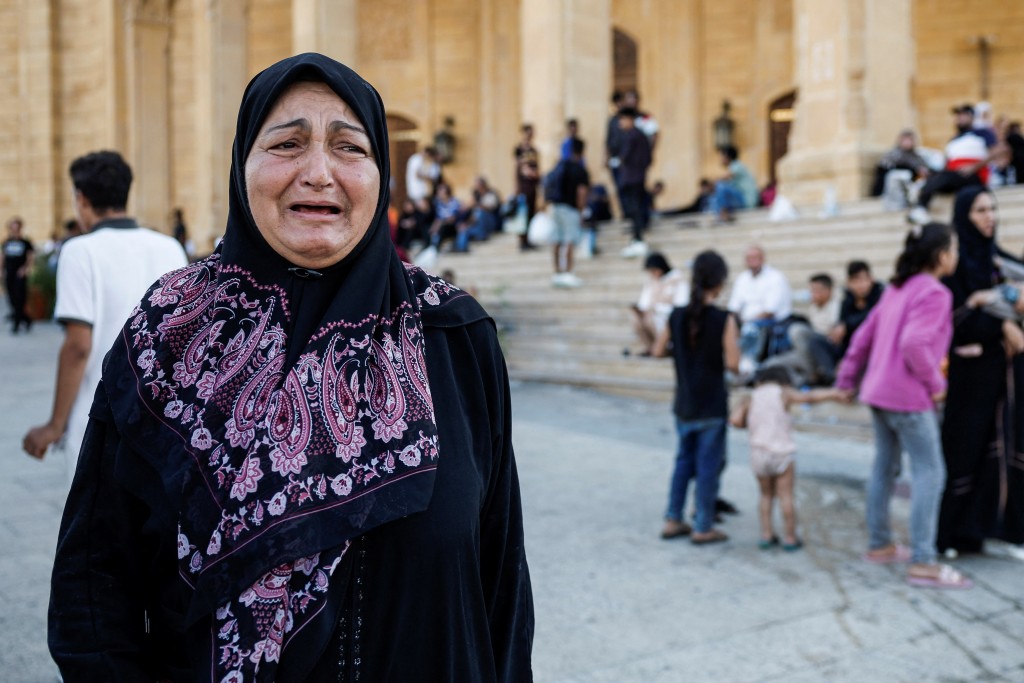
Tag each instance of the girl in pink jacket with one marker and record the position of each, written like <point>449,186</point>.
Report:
<point>895,359</point>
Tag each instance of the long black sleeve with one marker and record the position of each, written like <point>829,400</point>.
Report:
<point>97,622</point>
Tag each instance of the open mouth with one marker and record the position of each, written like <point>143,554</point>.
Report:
<point>325,210</point>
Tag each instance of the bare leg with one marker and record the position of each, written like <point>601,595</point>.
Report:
<point>764,509</point>
<point>784,485</point>
<point>568,257</point>
<point>644,330</point>
<point>558,261</point>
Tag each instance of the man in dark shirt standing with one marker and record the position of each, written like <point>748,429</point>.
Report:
<point>527,177</point>
<point>18,259</point>
<point>635,159</point>
<point>566,189</point>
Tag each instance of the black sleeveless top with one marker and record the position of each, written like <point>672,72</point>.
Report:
<point>701,392</point>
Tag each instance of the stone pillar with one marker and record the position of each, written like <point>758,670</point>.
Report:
<point>566,63</point>
<point>328,27</point>
<point>219,60</point>
<point>147,75</point>
<point>37,198</point>
<point>854,62</point>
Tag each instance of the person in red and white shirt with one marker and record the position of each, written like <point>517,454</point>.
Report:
<point>967,157</point>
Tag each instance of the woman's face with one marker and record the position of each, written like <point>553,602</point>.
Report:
<point>984,215</point>
<point>311,177</point>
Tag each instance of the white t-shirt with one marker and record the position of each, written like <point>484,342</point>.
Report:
<point>660,296</point>
<point>767,292</point>
<point>416,187</point>
<point>823,318</point>
<point>101,276</point>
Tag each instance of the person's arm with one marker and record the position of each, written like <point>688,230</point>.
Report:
<point>97,618</point>
<point>71,362</point>
<point>971,325</point>
<point>917,339</point>
<point>731,344</point>
<point>30,259</point>
<point>794,397</point>
<point>856,358</point>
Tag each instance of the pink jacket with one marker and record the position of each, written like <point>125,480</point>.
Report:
<point>901,345</point>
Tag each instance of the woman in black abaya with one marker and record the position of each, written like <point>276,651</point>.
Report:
<point>299,461</point>
<point>983,427</point>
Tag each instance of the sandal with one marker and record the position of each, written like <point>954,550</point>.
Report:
<point>899,555</point>
<point>947,577</point>
<point>712,536</point>
<point>768,544</point>
<point>793,547</point>
<point>673,529</point>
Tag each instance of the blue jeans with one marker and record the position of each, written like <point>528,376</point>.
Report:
<point>918,434</point>
<point>725,198</point>
<point>752,338</point>
<point>701,449</point>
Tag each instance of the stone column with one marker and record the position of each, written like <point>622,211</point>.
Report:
<point>37,198</point>
<point>147,76</point>
<point>219,60</point>
<point>854,62</point>
<point>566,61</point>
<point>328,27</point>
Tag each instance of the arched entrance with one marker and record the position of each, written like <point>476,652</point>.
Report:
<point>780,120</point>
<point>404,139</point>
<point>624,62</point>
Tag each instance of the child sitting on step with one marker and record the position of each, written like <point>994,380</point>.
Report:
<point>765,414</point>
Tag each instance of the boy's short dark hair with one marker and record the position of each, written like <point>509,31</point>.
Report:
<point>577,146</point>
<point>823,279</point>
<point>104,178</point>
<point>776,374</point>
<point>629,112</point>
<point>855,268</point>
<point>526,128</point>
<point>730,152</point>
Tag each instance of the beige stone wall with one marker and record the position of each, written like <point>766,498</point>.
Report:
<point>947,67</point>
<point>161,81</point>
<point>270,33</point>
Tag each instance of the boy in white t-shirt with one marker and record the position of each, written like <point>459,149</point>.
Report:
<point>101,276</point>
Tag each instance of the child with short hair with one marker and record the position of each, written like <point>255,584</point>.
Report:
<point>765,414</point>
<point>895,360</point>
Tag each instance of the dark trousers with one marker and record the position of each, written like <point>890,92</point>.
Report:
<point>945,182</point>
<point>17,293</point>
<point>635,207</point>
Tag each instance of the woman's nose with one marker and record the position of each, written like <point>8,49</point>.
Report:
<point>316,169</point>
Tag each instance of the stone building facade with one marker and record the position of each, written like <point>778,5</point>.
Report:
<point>817,89</point>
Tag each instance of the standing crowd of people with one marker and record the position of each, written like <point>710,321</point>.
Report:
<point>936,355</point>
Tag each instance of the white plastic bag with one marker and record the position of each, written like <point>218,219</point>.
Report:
<point>542,228</point>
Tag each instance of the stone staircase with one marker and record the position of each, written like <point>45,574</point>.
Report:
<point>577,337</point>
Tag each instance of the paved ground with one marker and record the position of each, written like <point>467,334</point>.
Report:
<point>615,603</point>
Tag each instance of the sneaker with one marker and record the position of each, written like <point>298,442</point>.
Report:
<point>919,216</point>
<point>558,279</point>
<point>636,249</point>
<point>570,280</point>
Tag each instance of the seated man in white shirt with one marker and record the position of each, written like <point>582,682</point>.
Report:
<point>760,297</point>
<point>101,276</point>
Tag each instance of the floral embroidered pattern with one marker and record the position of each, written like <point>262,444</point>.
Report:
<point>271,443</point>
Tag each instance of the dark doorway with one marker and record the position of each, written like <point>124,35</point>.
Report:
<point>780,120</point>
<point>624,62</point>
<point>404,138</point>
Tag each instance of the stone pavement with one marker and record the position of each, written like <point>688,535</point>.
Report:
<point>614,602</point>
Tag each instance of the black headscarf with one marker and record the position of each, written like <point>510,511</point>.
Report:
<point>285,412</point>
<point>977,267</point>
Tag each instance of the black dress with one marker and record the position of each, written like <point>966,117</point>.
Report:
<point>442,595</point>
<point>983,426</point>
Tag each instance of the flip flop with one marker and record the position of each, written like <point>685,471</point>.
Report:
<point>768,544</point>
<point>682,530</point>
<point>713,536</point>
<point>793,547</point>
<point>899,555</point>
<point>947,578</point>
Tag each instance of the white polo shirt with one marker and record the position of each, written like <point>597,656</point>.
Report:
<point>767,292</point>
<point>101,276</point>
